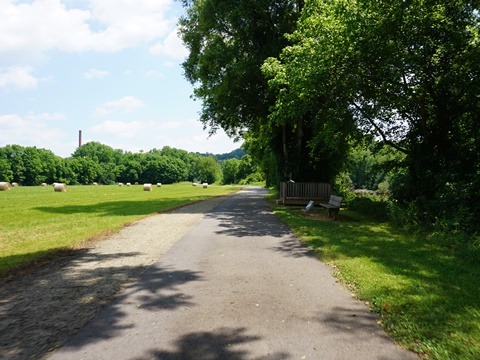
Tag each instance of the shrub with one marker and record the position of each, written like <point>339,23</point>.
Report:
<point>373,206</point>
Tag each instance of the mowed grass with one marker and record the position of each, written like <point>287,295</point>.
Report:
<point>38,222</point>
<point>428,299</point>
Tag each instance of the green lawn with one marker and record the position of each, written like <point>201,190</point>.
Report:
<point>37,222</point>
<point>429,300</point>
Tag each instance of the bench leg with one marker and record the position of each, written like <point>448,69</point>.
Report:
<point>333,211</point>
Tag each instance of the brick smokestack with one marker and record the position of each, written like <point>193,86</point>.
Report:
<point>79,138</point>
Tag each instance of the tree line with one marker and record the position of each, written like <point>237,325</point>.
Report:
<point>96,162</point>
<point>306,83</point>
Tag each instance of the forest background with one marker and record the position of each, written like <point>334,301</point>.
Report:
<point>94,162</point>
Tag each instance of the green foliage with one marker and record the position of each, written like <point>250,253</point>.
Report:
<point>400,72</point>
<point>374,207</point>
<point>96,151</point>
<point>228,42</point>
<point>29,165</point>
<point>81,170</point>
<point>162,169</point>
<point>230,171</point>
<point>451,217</point>
<point>235,154</point>
<point>243,171</point>
<point>95,162</point>
<point>267,162</point>
<point>6,173</point>
<point>456,206</point>
<point>371,165</point>
<point>208,169</point>
<point>256,178</point>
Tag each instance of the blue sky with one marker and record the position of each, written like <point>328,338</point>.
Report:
<point>110,68</point>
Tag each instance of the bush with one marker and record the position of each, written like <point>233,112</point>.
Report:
<point>447,222</point>
<point>374,206</point>
<point>253,178</point>
<point>408,215</point>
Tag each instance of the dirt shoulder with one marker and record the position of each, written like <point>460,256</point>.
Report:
<point>39,311</point>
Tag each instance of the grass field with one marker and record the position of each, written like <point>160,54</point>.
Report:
<point>429,300</point>
<point>37,222</point>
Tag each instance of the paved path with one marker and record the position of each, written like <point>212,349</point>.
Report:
<point>237,286</point>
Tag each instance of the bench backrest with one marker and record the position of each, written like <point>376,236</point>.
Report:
<point>305,191</point>
<point>335,200</point>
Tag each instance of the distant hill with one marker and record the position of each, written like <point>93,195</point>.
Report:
<point>235,154</point>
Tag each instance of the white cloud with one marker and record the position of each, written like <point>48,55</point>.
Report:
<point>146,135</point>
<point>29,29</point>
<point>128,23</point>
<point>169,64</point>
<point>123,105</point>
<point>121,129</point>
<point>45,117</point>
<point>96,74</point>
<point>171,46</point>
<point>38,130</point>
<point>18,77</point>
<point>152,74</point>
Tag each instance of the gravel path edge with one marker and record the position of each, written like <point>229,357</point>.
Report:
<point>41,310</point>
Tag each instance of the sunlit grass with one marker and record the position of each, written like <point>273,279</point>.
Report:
<point>429,299</point>
<point>38,221</point>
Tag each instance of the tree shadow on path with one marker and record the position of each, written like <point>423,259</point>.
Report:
<point>216,345</point>
<point>62,298</point>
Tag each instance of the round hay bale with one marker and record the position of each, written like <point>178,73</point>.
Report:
<point>44,184</point>
<point>95,184</point>
<point>120,184</point>
<point>60,187</point>
<point>129,184</point>
<point>136,183</point>
<point>159,184</point>
<point>14,184</point>
<point>147,187</point>
<point>4,186</point>
<point>194,184</point>
<point>205,185</point>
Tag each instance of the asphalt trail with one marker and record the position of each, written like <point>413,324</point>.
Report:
<point>239,285</point>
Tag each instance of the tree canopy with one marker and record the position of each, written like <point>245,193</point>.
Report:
<point>304,81</point>
<point>403,72</point>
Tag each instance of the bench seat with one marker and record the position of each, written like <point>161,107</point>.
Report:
<point>333,205</point>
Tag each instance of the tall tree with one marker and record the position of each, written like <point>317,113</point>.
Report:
<point>230,171</point>
<point>14,155</point>
<point>106,157</point>
<point>208,169</point>
<point>228,42</point>
<point>6,173</point>
<point>403,71</point>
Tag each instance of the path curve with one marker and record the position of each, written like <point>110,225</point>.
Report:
<point>238,285</point>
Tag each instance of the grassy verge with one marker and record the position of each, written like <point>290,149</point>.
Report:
<point>429,299</point>
<point>38,222</point>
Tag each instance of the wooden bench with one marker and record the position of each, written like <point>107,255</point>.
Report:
<point>333,205</point>
<point>292,193</point>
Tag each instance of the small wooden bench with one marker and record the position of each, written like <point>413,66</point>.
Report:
<point>333,206</point>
